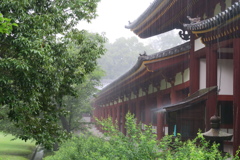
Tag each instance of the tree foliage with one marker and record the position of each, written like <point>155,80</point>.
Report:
<point>79,105</point>
<point>166,40</point>
<point>6,25</point>
<point>138,145</point>
<point>122,55</point>
<point>37,65</point>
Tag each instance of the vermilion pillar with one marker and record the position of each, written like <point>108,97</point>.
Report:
<point>114,114</point>
<point>119,116</point>
<point>148,108</point>
<point>147,114</point>
<point>103,112</point>
<point>194,69</point>
<point>109,111</point>
<point>211,80</point>
<point>160,118</point>
<point>138,117</point>
<point>124,111</point>
<point>173,94</point>
<point>236,94</point>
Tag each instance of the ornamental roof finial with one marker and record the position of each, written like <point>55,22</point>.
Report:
<point>194,20</point>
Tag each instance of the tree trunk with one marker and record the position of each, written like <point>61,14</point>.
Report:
<point>65,124</point>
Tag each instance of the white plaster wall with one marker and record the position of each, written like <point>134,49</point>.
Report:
<point>202,72</point>
<point>163,84</point>
<point>133,96</point>
<point>150,89</point>
<point>166,130</point>
<point>228,3</point>
<point>178,78</point>
<point>225,76</point>
<point>198,44</point>
<point>140,93</point>
<point>169,85</point>
<point>218,6</point>
<point>186,76</point>
<point>217,9</point>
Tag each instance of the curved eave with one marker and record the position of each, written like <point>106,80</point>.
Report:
<point>162,16</point>
<point>143,62</point>
<point>147,14</point>
<point>145,26</point>
<point>196,97</point>
<point>231,14</point>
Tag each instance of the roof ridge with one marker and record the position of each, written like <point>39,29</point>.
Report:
<point>145,14</point>
<point>216,20</point>
<point>165,53</point>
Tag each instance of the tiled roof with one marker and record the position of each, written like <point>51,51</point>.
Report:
<point>166,53</point>
<point>196,97</point>
<point>145,14</point>
<point>219,19</point>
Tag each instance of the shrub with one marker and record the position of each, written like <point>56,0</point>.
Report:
<point>137,145</point>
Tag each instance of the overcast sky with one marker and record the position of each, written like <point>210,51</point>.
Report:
<point>114,15</point>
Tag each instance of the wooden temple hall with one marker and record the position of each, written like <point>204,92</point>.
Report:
<point>183,87</point>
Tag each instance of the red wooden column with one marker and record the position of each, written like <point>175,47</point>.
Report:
<point>236,94</point>
<point>148,102</point>
<point>101,112</point>
<point>118,116</point>
<point>138,117</point>
<point>194,69</point>
<point>105,112</point>
<point>160,118</point>
<point>124,111</point>
<point>211,80</point>
<point>111,111</point>
<point>108,111</point>
<point>173,94</point>
<point>114,114</point>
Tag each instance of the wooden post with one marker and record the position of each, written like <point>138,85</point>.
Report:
<point>211,80</point>
<point>119,116</point>
<point>194,69</point>
<point>148,111</point>
<point>114,114</point>
<point>124,111</point>
<point>236,94</point>
<point>138,117</point>
<point>160,118</point>
<point>173,94</point>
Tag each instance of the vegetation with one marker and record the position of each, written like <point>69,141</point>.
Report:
<point>78,105</point>
<point>42,61</point>
<point>122,55</point>
<point>167,40</point>
<point>6,25</point>
<point>138,145</point>
<point>15,149</point>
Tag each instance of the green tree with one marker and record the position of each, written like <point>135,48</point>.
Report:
<point>5,25</point>
<point>122,55</point>
<point>37,66</point>
<point>167,40</point>
<point>79,105</point>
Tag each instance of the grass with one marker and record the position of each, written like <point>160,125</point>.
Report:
<point>15,149</point>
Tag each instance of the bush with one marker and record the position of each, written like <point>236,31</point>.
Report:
<point>137,145</point>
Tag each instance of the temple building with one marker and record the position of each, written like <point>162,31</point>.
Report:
<point>183,87</point>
